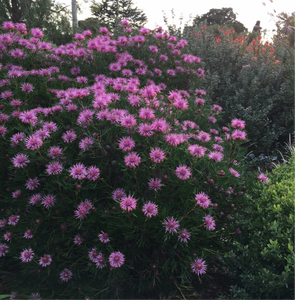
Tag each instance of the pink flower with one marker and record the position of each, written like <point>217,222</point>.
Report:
<point>27,255</point>
<point>118,194</point>
<point>238,135</point>
<point>203,200</point>
<point>209,222</point>
<point>128,203</point>
<point>16,194</point>
<point>234,172</point>
<point>28,234</point>
<point>45,260</point>
<point>183,172</point>
<point>235,123</point>
<point>33,142</point>
<point>150,209</point>
<point>78,171</point>
<point>54,168</point>
<point>204,136</point>
<point>126,143</point>
<point>31,184</point>
<point>116,259</point>
<point>181,104</point>
<point>3,130</point>
<point>87,205</point>
<point>93,173</point>
<point>69,136</point>
<point>104,237</point>
<point>100,261</point>
<point>93,255</point>
<point>146,113</point>
<point>65,275</point>
<point>215,155</point>
<point>184,235</point>
<point>27,87</point>
<point>86,143</point>
<point>128,121</point>
<point>81,213</point>
<point>48,201</point>
<point>172,139</point>
<point>132,160</point>
<point>3,249</point>
<point>145,129</point>
<point>8,236</point>
<point>155,184</point>
<point>198,266</point>
<point>160,125</point>
<point>35,198</point>
<point>157,155</point>
<point>263,178</point>
<point>54,151</point>
<point>217,147</point>
<point>196,150</point>
<point>51,126</point>
<point>171,225</point>
<point>28,117</point>
<point>78,240</point>
<point>13,219</point>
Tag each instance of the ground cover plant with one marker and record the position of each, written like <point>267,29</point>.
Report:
<point>115,174</point>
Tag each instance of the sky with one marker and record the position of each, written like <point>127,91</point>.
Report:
<point>247,12</point>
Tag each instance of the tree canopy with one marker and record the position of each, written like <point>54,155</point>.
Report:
<point>109,13</point>
<point>52,17</point>
<point>223,16</point>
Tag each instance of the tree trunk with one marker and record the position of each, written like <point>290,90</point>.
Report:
<point>74,14</point>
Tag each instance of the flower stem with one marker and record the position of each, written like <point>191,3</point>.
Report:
<point>190,211</point>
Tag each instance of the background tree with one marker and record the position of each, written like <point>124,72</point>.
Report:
<point>221,17</point>
<point>109,13</point>
<point>52,17</point>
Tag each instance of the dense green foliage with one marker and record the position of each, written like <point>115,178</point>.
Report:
<point>264,254</point>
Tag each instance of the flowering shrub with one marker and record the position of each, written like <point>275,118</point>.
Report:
<point>253,82</point>
<point>115,174</point>
<point>263,257</point>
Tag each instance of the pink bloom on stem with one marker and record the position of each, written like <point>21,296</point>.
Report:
<point>209,222</point>
<point>100,261</point>
<point>157,155</point>
<point>196,150</point>
<point>104,237</point>
<point>28,234</point>
<point>128,121</point>
<point>171,225</point>
<point>33,142</point>
<point>146,113</point>
<point>263,178</point>
<point>87,205</point>
<point>20,160</point>
<point>184,235</point>
<point>35,198</point>
<point>93,173</point>
<point>183,172</point>
<point>236,123</point>
<point>48,201</point>
<point>13,219</point>
<point>160,125</point>
<point>45,260</point>
<point>31,184</point>
<point>145,129</point>
<point>238,135</point>
<point>27,87</point>
<point>3,130</point>
<point>8,236</point>
<point>198,266</point>
<point>203,200</point>
<point>78,171</point>
<point>155,184</point>
<point>3,249</point>
<point>118,194</point>
<point>54,168</point>
<point>215,155</point>
<point>86,143</point>
<point>69,136</point>
<point>93,255</point>
<point>66,275</point>
<point>16,194</point>
<point>204,136</point>
<point>126,143</point>
<point>54,151</point>
<point>78,240</point>
<point>128,203</point>
<point>81,213</point>
<point>3,222</point>
<point>27,255</point>
<point>116,259</point>
<point>234,172</point>
<point>150,209</point>
<point>132,160</point>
